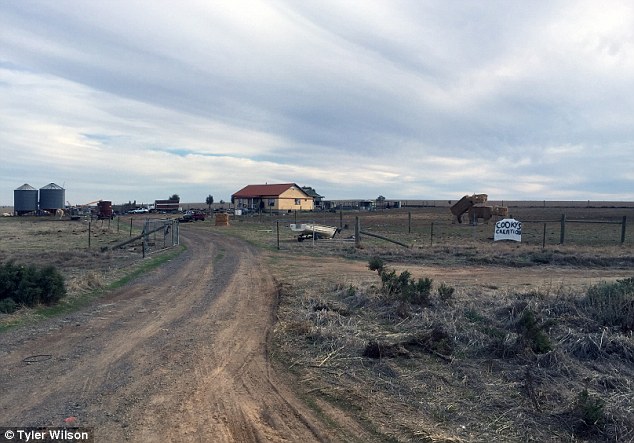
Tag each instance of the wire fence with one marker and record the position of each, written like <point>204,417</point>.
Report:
<point>156,235</point>
<point>427,229</point>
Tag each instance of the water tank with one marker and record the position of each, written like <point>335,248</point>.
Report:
<point>25,199</point>
<point>52,197</point>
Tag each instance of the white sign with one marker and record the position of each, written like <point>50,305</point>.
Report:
<point>508,229</point>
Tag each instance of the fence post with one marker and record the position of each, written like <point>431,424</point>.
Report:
<point>89,233</point>
<point>130,226</point>
<point>409,222</point>
<point>357,232</point>
<point>562,232</point>
<point>623,224</point>
<point>431,235</point>
<point>544,238</point>
<point>277,224</point>
<point>340,218</point>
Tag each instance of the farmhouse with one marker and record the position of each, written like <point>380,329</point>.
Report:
<point>275,197</point>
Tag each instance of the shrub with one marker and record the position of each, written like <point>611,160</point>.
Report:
<point>532,333</point>
<point>445,292</point>
<point>29,285</point>
<point>418,292</point>
<point>404,287</point>
<point>590,410</point>
<point>51,283</point>
<point>376,264</point>
<point>612,304</point>
<point>8,306</point>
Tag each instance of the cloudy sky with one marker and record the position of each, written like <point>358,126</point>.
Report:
<point>424,99</point>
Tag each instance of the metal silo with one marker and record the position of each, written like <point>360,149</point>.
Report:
<point>25,199</point>
<point>52,197</point>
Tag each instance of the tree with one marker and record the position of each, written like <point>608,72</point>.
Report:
<point>175,197</point>
<point>380,201</point>
<point>210,201</point>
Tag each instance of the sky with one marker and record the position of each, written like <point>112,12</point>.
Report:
<point>136,100</point>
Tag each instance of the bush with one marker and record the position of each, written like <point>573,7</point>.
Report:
<point>8,306</point>
<point>445,292</point>
<point>532,333</point>
<point>404,287</point>
<point>590,410</point>
<point>612,304</point>
<point>376,264</point>
<point>29,286</point>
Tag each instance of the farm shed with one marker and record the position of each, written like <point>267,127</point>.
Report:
<point>276,197</point>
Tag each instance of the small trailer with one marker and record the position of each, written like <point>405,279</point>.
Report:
<point>312,230</point>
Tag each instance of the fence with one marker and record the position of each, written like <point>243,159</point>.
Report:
<point>160,234</point>
<point>425,228</point>
<point>157,234</point>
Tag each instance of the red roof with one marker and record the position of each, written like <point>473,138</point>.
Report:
<point>274,190</point>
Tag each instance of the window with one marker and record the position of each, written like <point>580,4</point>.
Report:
<point>298,201</point>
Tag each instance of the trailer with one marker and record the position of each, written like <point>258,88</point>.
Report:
<point>313,230</point>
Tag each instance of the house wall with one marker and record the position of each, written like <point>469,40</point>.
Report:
<point>294,200</point>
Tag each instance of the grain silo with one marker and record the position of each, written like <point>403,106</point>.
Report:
<point>25,199</point>
<point>52,197</point>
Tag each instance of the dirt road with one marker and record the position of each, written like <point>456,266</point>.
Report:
<point>179,355</point>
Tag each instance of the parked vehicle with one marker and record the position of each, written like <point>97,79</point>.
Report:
<point>191,217</point>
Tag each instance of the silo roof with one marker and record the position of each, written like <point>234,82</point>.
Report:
<point>26,187</point>
<point>51,186</point>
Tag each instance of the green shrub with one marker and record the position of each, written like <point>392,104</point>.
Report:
<point>532,334</point>
<point>29,286</point>
<point>9,280</point>
<point>445,292</point>
<point>418,292</point>
<point>8,306</point>
<point>52,285</point>
<point>590,410</point>
<point>376,264</point>
<point>404,287</point>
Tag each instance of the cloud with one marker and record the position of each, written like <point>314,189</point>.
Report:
<point>405,99</point>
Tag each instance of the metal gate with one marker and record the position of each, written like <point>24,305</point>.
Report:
<point>160,234</point>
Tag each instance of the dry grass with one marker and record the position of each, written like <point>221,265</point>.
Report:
<point>64,245</point>
<point>486,376</point>
<point>478,379</point>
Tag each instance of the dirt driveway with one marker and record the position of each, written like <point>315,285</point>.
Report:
<point>179,355</point>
